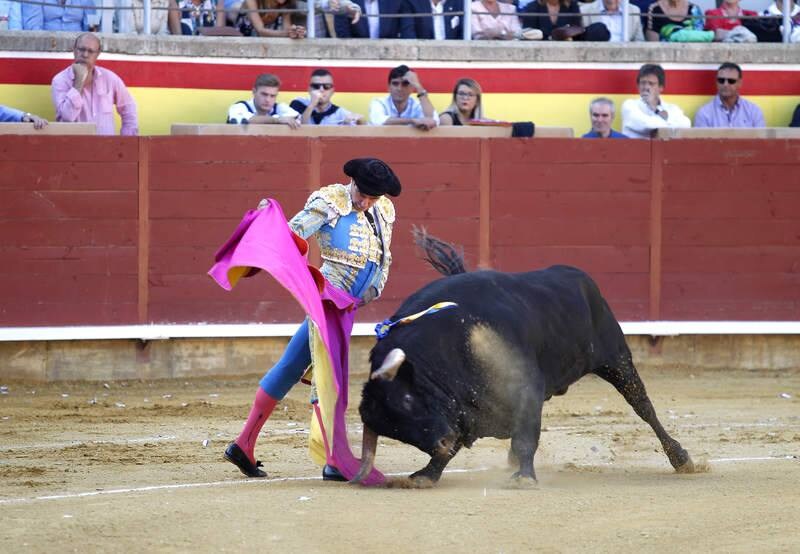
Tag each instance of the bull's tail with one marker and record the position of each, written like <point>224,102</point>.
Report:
<point>446,258</point>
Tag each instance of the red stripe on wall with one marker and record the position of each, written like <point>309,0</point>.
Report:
<point>369,79</point>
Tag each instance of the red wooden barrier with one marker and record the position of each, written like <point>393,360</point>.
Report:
<point>99,230</point>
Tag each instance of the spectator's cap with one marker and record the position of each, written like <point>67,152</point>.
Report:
<point>373,177</point>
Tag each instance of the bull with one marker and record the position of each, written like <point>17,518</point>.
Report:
<point>485,367</point>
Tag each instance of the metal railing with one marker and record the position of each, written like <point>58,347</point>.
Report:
<point>107,12</point>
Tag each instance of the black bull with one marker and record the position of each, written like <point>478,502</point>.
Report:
<point>485,367</point>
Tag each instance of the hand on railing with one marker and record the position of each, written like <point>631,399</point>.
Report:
<point>345,7</point>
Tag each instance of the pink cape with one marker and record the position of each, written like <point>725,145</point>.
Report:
<point>263,240</point>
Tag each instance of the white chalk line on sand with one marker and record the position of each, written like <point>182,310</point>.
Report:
<point>755,459</point>
<point>151,488</point>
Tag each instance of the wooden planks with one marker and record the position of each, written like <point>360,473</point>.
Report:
<point>104,230</point>
<point>68,213</point>
<point>731,232</point>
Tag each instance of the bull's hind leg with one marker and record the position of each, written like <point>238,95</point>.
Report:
<point>527,430</point>
<point>626,380</point>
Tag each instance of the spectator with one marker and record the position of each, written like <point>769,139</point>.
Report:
<point>601,112</point>
<point>795,122</point>
<point>269,24</point>
<point>439,26</point>
<point>466,104</point>
<point>86,92</point>
<point>725,18</point>
<point>264,107</point>
<point>10,115</point>
<point>57,16</point>
<point>609,14</point>
<point>493,20</point>
<point>132,20</point>
<point>776,10</point>
<point>728,109</point>
<point>370,25</point>
<point>547,15</point>
<point>399,108</point>
<point>318,109</point>
<point>642,117</point>
<point>676,21</point>
<point>187,17</point>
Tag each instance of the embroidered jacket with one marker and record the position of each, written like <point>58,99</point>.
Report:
<point>346,238</point>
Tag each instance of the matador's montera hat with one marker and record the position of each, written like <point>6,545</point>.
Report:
<point>373,177</point>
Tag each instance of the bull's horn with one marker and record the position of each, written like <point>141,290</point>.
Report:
<point>368,446</point>
<point>391,363</point>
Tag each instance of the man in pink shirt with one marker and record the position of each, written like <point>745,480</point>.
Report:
<point>86,93</point>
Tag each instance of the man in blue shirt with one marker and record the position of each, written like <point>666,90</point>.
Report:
<point>728,109</point>
<point>601,111</point>
<point>10,115</point>
<point>58,16</point>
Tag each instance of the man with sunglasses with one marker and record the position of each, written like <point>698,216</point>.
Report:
<point>85,93</point>
<point>400,108</point>
<point>318,109</point>
<point>642,117</point>
<point>728,109</point>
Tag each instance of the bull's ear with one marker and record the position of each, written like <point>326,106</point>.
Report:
<point>391,363</point>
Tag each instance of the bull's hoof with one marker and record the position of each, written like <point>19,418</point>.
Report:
<point>522,482</point>
<point>693,467</point>
<point>421,482</point>
<point>686,467</point>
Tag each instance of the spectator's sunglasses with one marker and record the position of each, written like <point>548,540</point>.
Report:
<point>318,86</point>
<point>398,83</point>
<point>722,80</point>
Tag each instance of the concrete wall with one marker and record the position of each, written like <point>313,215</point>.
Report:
<point>187,358</point>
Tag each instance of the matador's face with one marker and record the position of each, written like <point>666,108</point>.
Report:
<point>361,202</point>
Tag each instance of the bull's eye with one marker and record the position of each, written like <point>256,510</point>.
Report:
<point>408,402</point>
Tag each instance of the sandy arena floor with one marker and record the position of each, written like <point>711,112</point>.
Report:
<point>125,467</point>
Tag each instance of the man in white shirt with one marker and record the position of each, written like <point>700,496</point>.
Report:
<point>264,107</point>
<point>399,108</point>
<point>609,14</point>
<point>643,116</point>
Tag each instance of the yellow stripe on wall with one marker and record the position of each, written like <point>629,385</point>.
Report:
<point>159,108</point>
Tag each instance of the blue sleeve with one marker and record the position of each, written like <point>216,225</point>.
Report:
<point>32,17</point>
<point>10,115</point>
<point>14,16</point>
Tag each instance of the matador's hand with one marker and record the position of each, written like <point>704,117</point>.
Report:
<point>263,204</point>
<point>369,296</point>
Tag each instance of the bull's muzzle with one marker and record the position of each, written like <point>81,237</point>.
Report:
<point>369,445</point>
